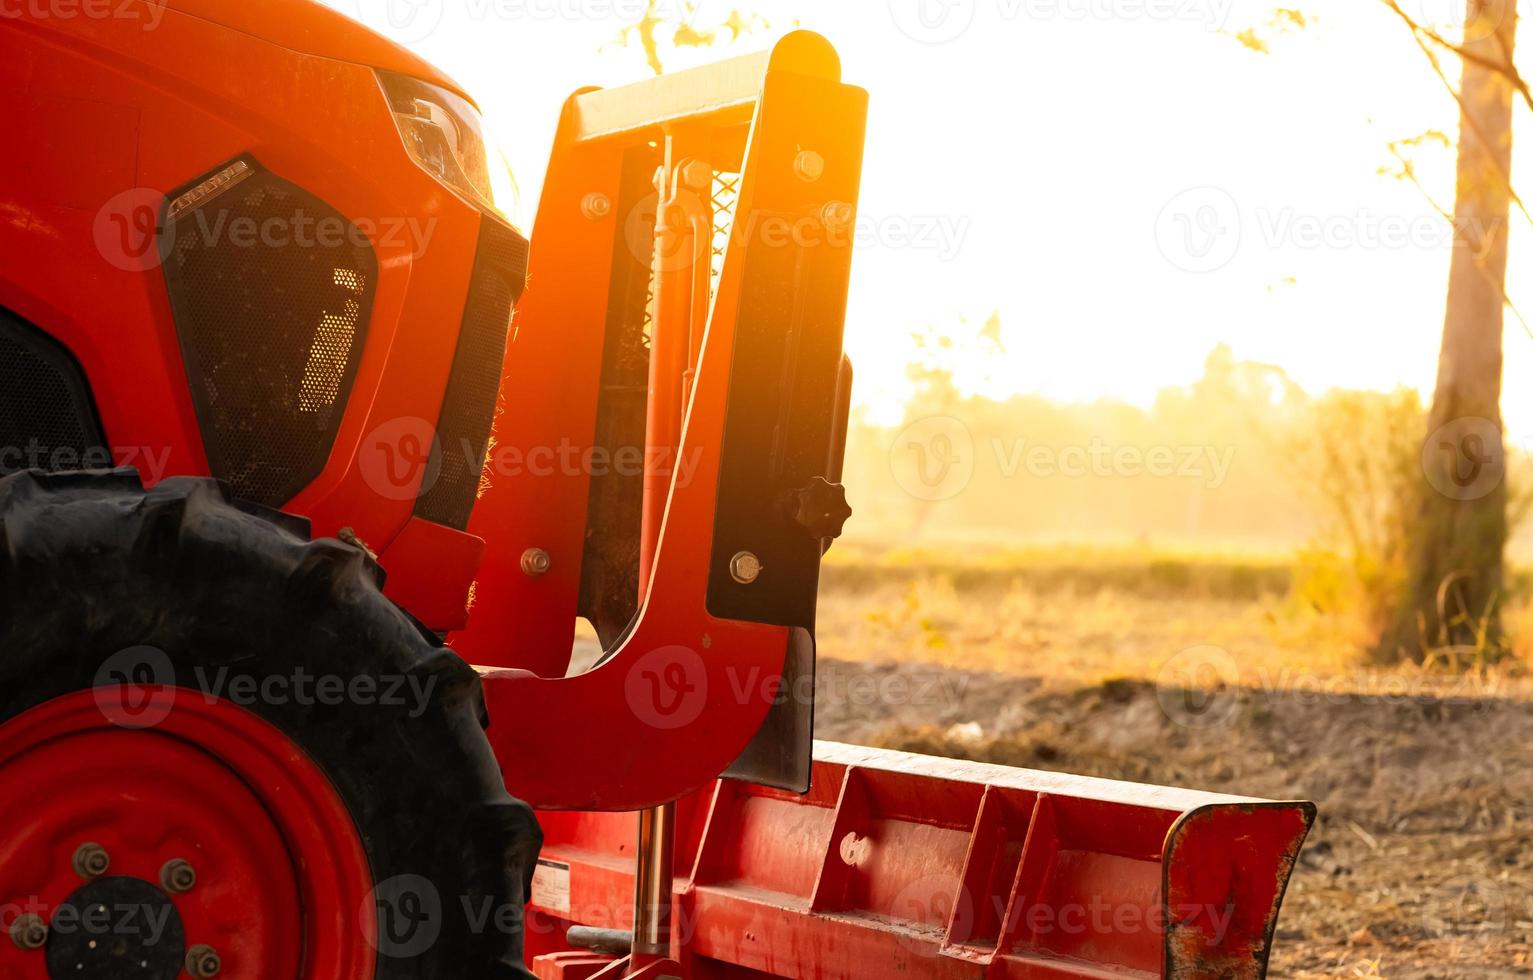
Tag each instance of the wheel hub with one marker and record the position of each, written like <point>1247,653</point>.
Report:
<point>116,929</point>
<point>230,853</point>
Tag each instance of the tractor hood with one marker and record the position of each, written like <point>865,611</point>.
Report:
<point>312,28</point>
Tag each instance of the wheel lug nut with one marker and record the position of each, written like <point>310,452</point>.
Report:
<point>178,876</point>
<point>29,932</point>
<point>203,962</point>
<point>91,861</point>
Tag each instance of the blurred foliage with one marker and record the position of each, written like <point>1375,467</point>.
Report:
<point>1357,458</point>
<point>663,29</point>
<point>1280,22</point>
<point>1311,511</point>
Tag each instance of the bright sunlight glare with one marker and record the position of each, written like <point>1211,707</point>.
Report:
<point>1124,184</point>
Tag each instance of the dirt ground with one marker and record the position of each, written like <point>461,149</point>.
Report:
<point>1421,864</point>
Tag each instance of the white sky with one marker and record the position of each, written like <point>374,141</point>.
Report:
<point>1043,148</point>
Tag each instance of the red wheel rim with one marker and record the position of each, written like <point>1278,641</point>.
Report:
<point>283,887</point>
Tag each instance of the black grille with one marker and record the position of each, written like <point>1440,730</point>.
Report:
<point>47,420</point>
<point>468,410</point>
<point>272,290</point>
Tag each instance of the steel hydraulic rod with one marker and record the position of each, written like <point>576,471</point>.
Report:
<point>682,251</point>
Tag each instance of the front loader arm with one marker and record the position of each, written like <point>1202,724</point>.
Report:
<point>734,560</point>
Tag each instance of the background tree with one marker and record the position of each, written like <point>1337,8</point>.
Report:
<point>1453,584</point>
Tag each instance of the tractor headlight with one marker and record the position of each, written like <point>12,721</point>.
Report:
<point>445,136</point>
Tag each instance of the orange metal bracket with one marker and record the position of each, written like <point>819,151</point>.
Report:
<point>680,698</point>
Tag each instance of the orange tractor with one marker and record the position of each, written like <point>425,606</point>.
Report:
<point>313,464</point>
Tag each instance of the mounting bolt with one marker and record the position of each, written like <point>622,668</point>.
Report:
<point>203,962</point>
<point>745,568</point>
<point>91,860</point>
<point>695,175</point>
<point>29,932</point>
<point>837,215</point>
<point>596,206</point>
<point>178,876</point>
<point>536,562</point>
<point>809,166</point>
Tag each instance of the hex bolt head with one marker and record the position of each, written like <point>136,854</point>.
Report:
<point>202,962</point>
<point>91,860</point>
<point>745,568</point>
<point>809,166</point>
<point>29,932</point>
<point>178,876</point>
<point>695,175</point>
<point>536,562</point>
<point>595,206</point>
<point>837,215</point>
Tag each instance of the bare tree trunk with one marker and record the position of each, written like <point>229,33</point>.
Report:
<point>1451,595</point>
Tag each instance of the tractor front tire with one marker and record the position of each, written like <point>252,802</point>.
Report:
<point>206,715</point>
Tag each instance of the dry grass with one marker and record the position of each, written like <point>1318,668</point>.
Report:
<point>1095,615</point>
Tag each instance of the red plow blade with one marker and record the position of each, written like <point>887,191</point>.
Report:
<point>898,865</point>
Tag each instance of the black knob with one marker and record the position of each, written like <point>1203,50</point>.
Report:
<point>820,508</point>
